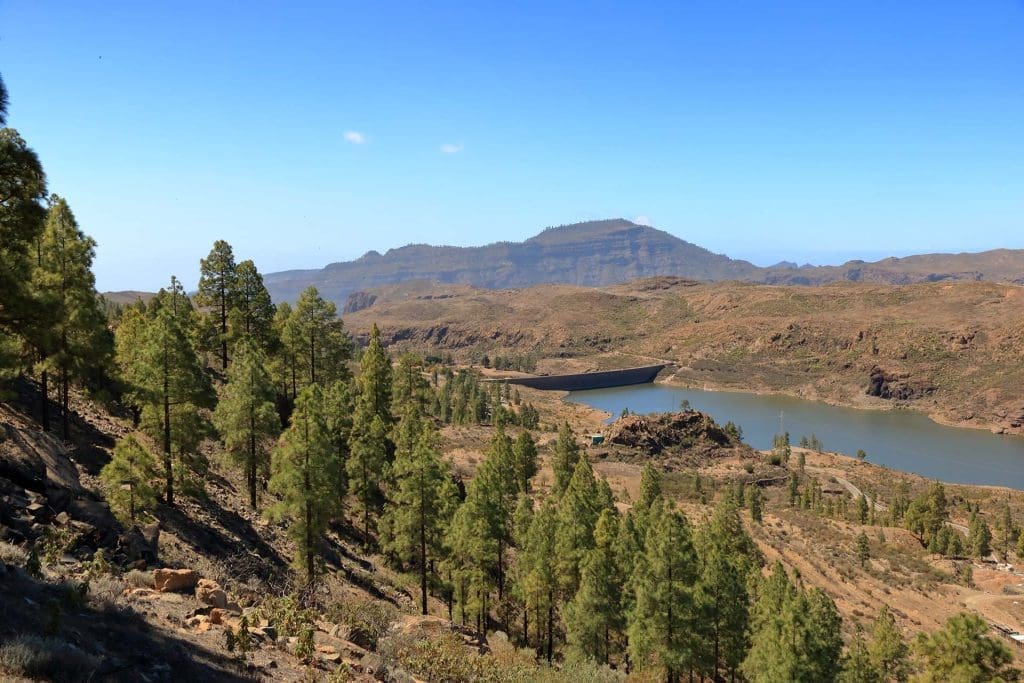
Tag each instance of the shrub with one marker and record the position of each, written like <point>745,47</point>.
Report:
<point>367,619</point>
<point>139,579</point>
<point>104,591</point>
<point>285,614</point>
<point>50,659</point>
<point>12,554</point>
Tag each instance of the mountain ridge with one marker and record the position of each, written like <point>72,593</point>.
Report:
<point>612,251</point>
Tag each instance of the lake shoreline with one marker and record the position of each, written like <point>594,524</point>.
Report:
<point>882,405</point>
<point>897,438</point>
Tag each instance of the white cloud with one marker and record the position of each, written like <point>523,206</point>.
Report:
<point>643,220</point>
<point>451,148</point>
<point>355,137</point>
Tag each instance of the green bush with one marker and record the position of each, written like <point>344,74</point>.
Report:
<point>139,579</point>
<point>367,619</point>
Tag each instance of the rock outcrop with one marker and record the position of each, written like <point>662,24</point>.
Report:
<point>897,386</point>
<point>175,580</point>
<point>687,430</point>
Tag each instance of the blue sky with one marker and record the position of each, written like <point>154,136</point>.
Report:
<point>306,133</point>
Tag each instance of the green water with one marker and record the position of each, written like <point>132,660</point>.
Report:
<point>896,439</point>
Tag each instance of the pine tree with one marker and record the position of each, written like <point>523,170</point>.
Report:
<point>318,340</point>
<point>857,666</point>
<point>756,505</point>
<point>73,337</point>
<point>252,315</point>
<point>539,583</point>
<point>285,364</point>
<point>525,451</point>
<point>664,621</point>
<point>979,538</point>
<point>409,387</point>
<point>128,480</point>
<point>22,189</point>
<point>367,463</point>
<point>594,616</point>
<point>245,416</point>
<point>1008,533</point>
<point>218,281</point>
<point>567,452</point>
<point>796,633</point>
<point>339,407</point>
<point>927,514</point>
<point>887,651</point>
<point>963,651</point>
<point>420,506</point>
<point>305,474</point>
<point>862,509</point>
<point>578,512</point>
<point>863,548</point>
<point>164,375</point>
<point>728,557</point>
<point>374,381</point>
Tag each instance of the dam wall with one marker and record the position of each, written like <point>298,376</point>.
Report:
<point>590,380</point>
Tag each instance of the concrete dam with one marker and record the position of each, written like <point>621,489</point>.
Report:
<point>590,380</point>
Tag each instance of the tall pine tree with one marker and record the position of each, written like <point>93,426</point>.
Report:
<point>73,336</point>
<point>421,504</point>
<point>163,372</point>
<point>305,474</point>
<point>664,621</point>
<point>245,416</point>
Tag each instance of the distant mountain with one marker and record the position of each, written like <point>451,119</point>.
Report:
<point>598,253</point>
<point>593,253</point>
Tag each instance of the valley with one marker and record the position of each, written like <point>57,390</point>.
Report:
<point>948,350</point>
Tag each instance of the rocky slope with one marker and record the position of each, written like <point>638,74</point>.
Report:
<point>951,350</point>
<point>600,253</point>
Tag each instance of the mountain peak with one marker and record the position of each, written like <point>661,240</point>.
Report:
<point>594,253</point>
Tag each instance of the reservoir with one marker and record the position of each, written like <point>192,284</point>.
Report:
<point>900,440</point>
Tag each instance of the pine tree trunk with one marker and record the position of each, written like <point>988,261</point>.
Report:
<point>44,403</point>
<point>223,331</point>
<point>312,358</point>
<point>551,626</point>
<point>295,391</point>
<point>64,407</point>
<point>252,460</point>
<point>168,469</point>
<point>501,570</point>
<point>309,511</point>
<point>423,565</point>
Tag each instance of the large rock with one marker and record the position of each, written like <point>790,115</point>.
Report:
<point>140,544</point>
<point>689,429</point>
<point>168,580</point>
<point>209,592</point>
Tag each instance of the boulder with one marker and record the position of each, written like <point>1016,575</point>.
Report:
<point>168,580</point>
<point>136,546</point>
<point>209,592</point>
<point>216,615</point>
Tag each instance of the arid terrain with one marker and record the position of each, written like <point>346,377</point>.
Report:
<point>949,349</point>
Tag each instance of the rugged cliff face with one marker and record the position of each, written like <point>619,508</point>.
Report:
<point>594,253</point>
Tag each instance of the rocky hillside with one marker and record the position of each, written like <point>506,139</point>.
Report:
<point>951,350</point>
<point>600,253</point>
